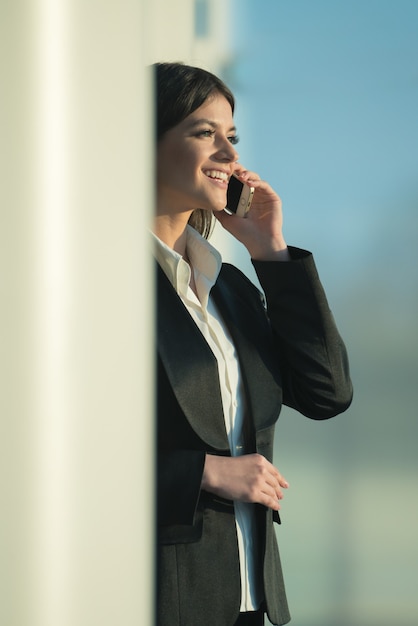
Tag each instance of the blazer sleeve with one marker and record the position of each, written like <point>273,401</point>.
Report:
<point>179,483</point>
<point>313,357</point>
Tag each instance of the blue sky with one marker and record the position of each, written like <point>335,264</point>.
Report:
<point>327,94</point>
<point>328,108</point>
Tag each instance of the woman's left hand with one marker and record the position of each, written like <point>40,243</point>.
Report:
<point>261,230</point>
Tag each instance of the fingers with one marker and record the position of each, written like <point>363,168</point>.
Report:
<point>248,478</point>
<point>283,482</point>
<point>268,483</point>
<point>274,491</point>
<point>264,192</point>
<point>246,175</point>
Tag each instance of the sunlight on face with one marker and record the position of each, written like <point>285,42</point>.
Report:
<point>195,160</point>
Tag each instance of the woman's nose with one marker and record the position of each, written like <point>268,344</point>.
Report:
<point>227,152</point>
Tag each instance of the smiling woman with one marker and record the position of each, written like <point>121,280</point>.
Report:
<point>180,93</point>
<point>225,366</point>
<point>195,160</point>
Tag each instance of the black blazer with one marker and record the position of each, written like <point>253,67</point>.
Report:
<point>292,354</point>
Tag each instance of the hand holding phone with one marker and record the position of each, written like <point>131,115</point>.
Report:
<point>238,197</point>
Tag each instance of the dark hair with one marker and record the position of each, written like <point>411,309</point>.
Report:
<point>180,90</point>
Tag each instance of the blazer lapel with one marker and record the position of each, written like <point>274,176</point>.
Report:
<point>260,372</point>
<point>190,365</point>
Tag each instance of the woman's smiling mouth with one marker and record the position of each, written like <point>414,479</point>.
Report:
<point>217,175</point>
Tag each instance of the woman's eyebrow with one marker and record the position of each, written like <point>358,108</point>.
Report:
<point>212,123</point>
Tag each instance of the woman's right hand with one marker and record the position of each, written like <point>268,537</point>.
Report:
<point>247,478</point>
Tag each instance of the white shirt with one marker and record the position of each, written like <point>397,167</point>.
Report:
<point>206,263</point>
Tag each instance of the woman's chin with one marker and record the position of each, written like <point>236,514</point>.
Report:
<point>219,206</point>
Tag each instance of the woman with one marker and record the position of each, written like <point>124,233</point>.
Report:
<point>226,363</point>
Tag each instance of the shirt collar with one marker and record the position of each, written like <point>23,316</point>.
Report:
<point>204,258</point>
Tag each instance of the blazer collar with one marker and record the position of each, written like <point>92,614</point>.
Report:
<point>192,368</point>
<point>250,330</point>
<point>190,365</point>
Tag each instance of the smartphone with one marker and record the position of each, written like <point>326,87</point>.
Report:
<point>238,197</point>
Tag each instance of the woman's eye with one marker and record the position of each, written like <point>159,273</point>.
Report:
<point>206,133</point>
<point>209,132</point>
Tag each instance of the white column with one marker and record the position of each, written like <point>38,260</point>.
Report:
<point>76,349</point>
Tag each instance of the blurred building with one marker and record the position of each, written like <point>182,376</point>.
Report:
<point>193,31</point>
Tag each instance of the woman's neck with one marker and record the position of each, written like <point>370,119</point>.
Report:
<point>172,231</point>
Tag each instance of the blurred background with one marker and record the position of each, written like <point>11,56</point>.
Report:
<point>327,112</point>
<point>327,102</point>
